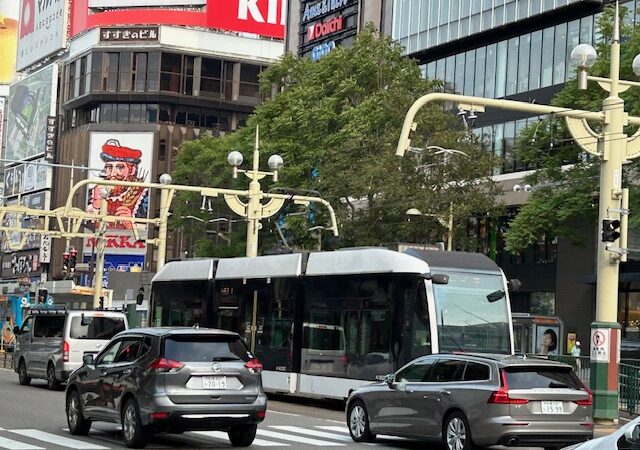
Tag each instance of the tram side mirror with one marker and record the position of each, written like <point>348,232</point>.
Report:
<point>436,278</point>
<point>389,379</point>
<point>514,285</point>
<point>632,435</point>
<point>495,296</point>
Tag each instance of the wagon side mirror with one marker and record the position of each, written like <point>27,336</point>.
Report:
<point>390,379</point>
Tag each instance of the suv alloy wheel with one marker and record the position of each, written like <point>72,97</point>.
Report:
<point>132,430</point>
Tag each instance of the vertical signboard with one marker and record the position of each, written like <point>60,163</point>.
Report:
<point>43,30</point>
<point>326,24</point>
<point>31,101</point>
<point>9,12</point>
<point>123,156</point>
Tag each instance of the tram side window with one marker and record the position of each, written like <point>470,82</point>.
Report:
<point>421,330</point>
<point>347,327</point>
<point>180,303</point>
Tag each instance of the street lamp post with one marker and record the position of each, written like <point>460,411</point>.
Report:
<point>613,147</point>
<point>254,210</point>
<point>100,228</point>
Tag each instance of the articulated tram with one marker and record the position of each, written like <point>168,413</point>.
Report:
<point>325,323</point>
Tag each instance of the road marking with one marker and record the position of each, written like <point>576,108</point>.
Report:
<point>333,428</point>
<point>297,439</point>
<point>57,440</point>
<point>225,437</point>
<point>316,433</point>
<point>284,413</point>
<point>15,445</point>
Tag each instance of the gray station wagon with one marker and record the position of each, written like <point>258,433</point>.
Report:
<point>171,380</point>
<point>467,400</point>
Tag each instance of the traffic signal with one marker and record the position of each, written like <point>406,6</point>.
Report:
<point>101,306</point>
<point>610,230</point>
<point>65,262</point>
<point>140,296</point>
<point>72,260</point>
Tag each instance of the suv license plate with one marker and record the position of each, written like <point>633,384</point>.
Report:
<point>552,408</point>
<point>214,382</point>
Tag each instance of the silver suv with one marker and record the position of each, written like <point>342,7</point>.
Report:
<point>52,341</point>
<point>467,400</point>
<point>172,380</point>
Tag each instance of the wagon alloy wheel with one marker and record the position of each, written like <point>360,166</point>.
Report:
<point>52,381</point>
<point>72,413</point>
<point>457,434</point>
<point>358,422</point>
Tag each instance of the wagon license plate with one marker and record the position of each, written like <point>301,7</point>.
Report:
<point>214,382</point>
<point>552,408</point>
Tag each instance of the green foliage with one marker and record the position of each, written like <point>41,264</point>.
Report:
<point>567,178</point>
<point>336,123</point>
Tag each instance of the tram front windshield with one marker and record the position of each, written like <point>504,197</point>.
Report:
<point>472,313</point>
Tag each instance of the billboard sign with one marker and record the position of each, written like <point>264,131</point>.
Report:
<point>39,200</point>
<point>31,101</point>
<point>9,13</point>
<point>43,30</point>
<point>128,34</point>
<point>25,178</point>
<point>124,156</point>
<point>261,17</point>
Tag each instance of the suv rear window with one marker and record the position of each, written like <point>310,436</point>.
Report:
<point>541,377</point>
<point>91,327</point>
<point>206,349</point>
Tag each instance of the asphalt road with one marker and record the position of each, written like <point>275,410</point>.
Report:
<point>33,418</point>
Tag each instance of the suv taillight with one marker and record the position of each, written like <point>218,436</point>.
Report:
<point>164,365</point>
<point>587,401</point>
<point>254,366</point>
<point>65,351</point>
<point>501,396</point>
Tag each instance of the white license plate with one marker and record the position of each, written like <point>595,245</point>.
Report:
<point>214,382</point>
<point>552,408</point>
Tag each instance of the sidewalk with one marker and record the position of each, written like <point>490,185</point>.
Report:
<point>603,430</point>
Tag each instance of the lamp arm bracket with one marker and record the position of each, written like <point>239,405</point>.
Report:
<point>584,135</point>
<point>633,145</point>
<point>236,205</point>
<point>255,175</point>
<point>271,207</point>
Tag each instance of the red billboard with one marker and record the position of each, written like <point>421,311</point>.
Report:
<point>262,17</point>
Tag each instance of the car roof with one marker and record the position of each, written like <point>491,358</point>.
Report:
<point>183,331</point>
<point>506,360</point>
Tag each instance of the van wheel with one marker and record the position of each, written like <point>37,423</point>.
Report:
<point>52,382</point>
<point>457,433</point>
<point>358,422</point>
<point>242,435</point>
<point>134,434</point>
<point>78,424</point>
<point>23,378</point>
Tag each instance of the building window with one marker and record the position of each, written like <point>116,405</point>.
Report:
<point>83,81</point>
<point>512,66</point>
<point>96,72</point>
<point>547,57</point>
<point>70,81</point>
<point>523,63</point>
<point>534,57</point>
<point>139,72</point>
<point>125,71</point>
<point>490,75</point>
<point>170,70</point>
<point>501,69</point>
<point>480,72</point>
<point>573,39</point>
<point>153,71</point>
<point>187,75</point>
<point>110,71</point>
<point>559,53</point>
<point>228,80</point>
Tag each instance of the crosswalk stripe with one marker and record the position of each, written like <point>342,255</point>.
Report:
<point>57,440</point>
<point>316,433</point>
<point>223,436</point>
<point>297,439</point>
<point>16,445</point>
<point>333,428</point>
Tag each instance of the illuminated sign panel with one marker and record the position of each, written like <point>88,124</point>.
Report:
<point>261,17</point>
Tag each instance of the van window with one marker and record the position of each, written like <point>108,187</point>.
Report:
<point>95,327</point>
<point>206,348</point>
<point>48,326</point>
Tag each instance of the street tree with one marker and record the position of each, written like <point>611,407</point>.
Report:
<point>336,123</point>
<point>566,179</point>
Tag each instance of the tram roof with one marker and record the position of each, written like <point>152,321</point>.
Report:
<point>340,262</point>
